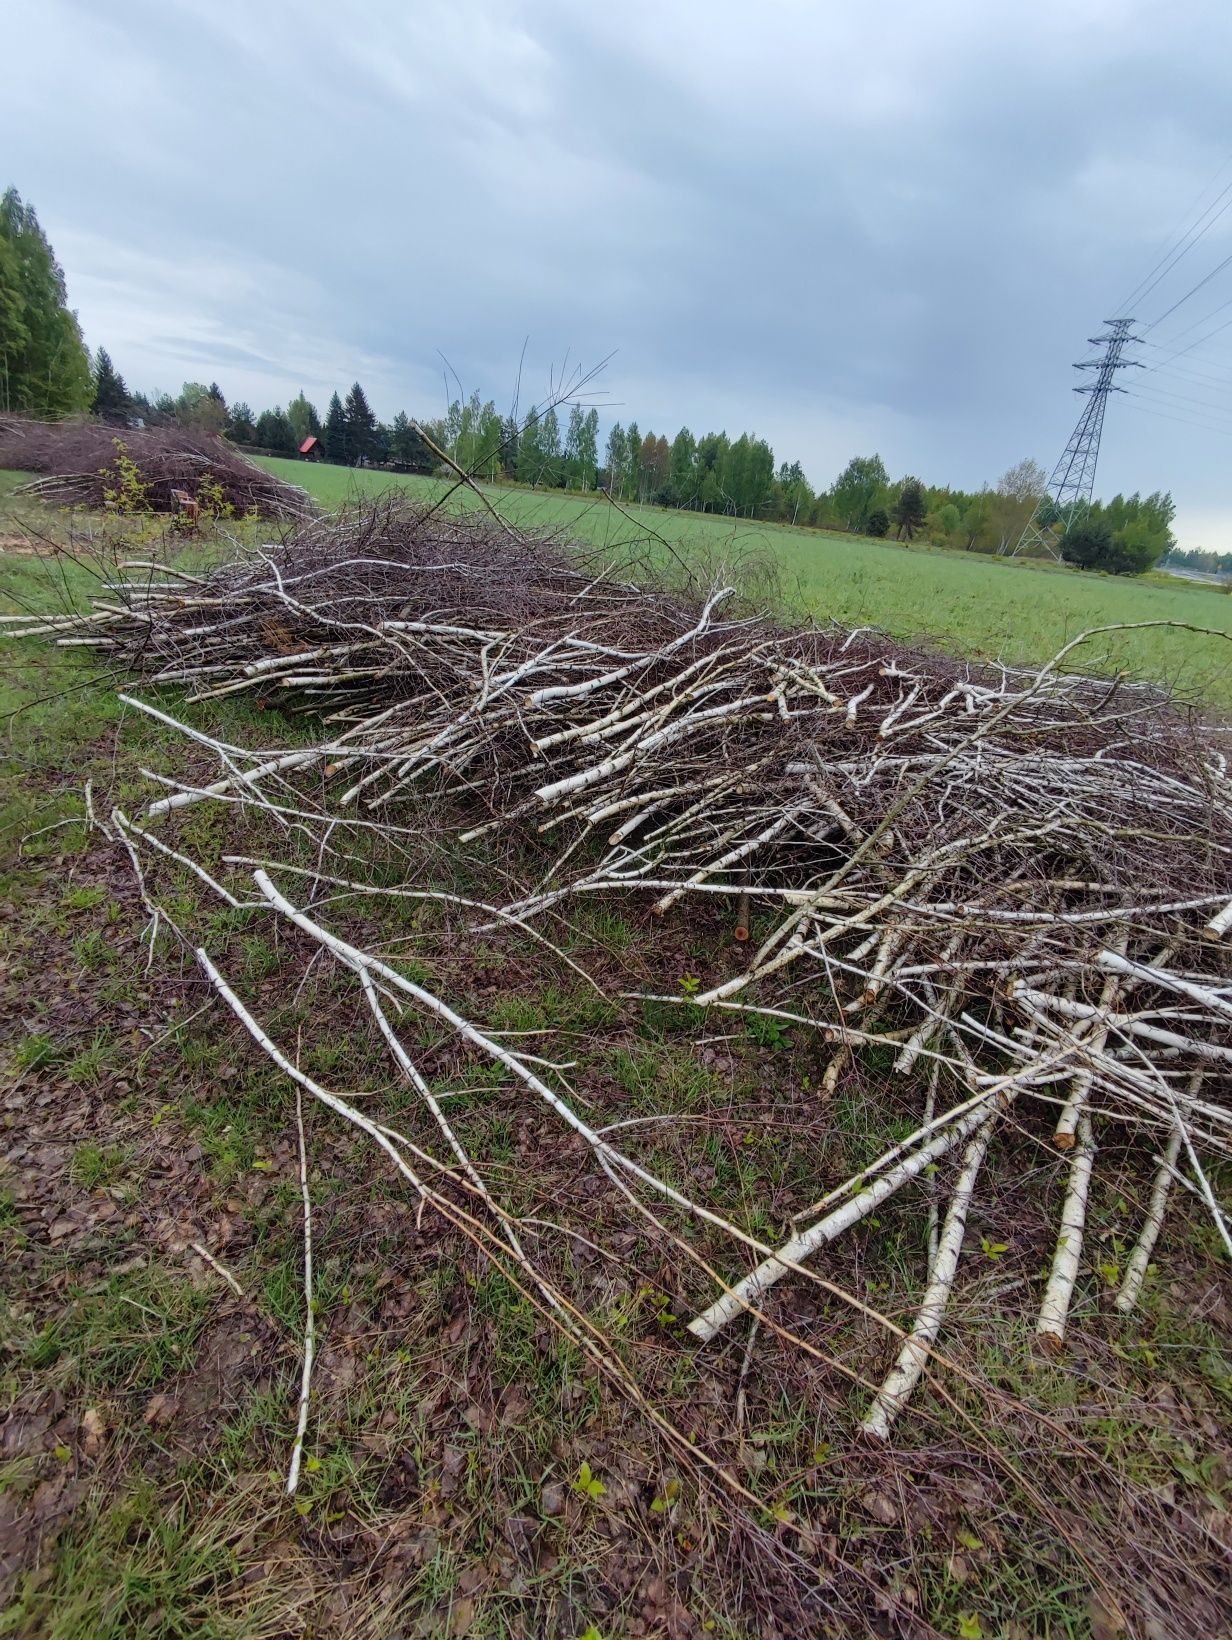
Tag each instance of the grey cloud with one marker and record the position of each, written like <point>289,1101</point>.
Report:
<point>885,226</point>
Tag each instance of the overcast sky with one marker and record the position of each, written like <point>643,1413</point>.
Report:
<point>885,226</point>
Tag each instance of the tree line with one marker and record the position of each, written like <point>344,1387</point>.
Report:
<point>1200,559</point>
<point>711,474</point>
<point>45,369</point>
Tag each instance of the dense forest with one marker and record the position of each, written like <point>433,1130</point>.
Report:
<point>46,370</point>
<point>44,366</point>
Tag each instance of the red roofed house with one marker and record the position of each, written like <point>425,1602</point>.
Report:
<point>310,449</point>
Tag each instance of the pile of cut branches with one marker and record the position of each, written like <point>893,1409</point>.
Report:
<point>89,464</point>
<point>1014,883</point>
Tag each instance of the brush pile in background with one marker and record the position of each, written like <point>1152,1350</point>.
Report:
<point>81,464</point>
<point>1016,883</point>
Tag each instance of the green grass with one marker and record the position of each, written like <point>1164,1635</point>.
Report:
<point>991,608</point>
<point>156,1121</point>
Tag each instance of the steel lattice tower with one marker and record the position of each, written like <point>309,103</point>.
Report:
<point>1073,478</point>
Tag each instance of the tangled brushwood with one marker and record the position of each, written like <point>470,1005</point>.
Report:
<point>143,469</point>
<point>1020,880</point>
<point>1009,890</point>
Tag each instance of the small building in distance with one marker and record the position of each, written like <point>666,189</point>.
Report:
<point>310,449</point>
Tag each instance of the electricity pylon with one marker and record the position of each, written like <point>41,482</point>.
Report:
<point>1073,478</point>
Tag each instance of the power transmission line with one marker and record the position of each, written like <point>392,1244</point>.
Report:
<point>1139,296</point>
<point>1193,291</point>
<point>1220,391</point>
<point>1184,398</point>
<point>1219,380</point>
<point>1192,368</point>
<point>1175,239</point>
<point>1195,325</point>
<point>1184,421</point>
<point>1182,351</point>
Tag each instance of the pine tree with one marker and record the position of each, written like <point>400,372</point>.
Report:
<point>335,436</point>
<point>111,400</point>
<point>44,366</point>
<point>910,508</point>
<point>360,425</point>
<point>878,523</point>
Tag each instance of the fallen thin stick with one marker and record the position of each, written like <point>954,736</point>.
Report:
<point>1067,1122</point>
<point>1054,1310</point>
<point>905,1374</point>
<point>204,1252</point>
<point>310,1330</point>
<point>800,1246</point>
<point>1140,1258</point>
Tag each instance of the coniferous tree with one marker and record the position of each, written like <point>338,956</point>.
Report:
<point>111,400</point>
<point>1088,544</point>
<point>910,509</point>
<point>44,366</point>
<point>360,425</point>
<point>335,435</point>
<point>400,438</point>
<point>240,424</point>
<point>165,409</point>
<point>274,432</point>
<point>407,446</point>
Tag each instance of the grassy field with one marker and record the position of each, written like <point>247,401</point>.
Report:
<point>1014,610</point>
<point>468,1473</point>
